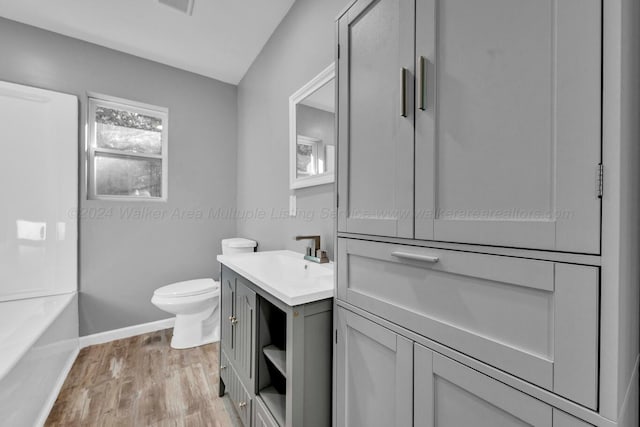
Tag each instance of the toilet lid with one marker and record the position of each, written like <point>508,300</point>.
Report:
<point>187,288</point>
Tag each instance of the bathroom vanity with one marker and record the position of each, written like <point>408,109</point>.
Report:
<point>275,346</point>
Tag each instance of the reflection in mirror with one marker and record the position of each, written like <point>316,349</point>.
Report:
<point>308,162</point>
<point>312,118</point>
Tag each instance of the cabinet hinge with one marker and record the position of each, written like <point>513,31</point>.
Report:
<point>599,180</point>
<point>338,51</point>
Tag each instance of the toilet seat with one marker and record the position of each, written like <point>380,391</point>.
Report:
<point>188,288</point>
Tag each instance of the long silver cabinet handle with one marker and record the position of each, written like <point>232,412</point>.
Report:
<point>415,257</point>
<point>403,90</point>
<point>422,83</point>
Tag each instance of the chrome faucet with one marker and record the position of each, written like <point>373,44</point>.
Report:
<point>314,253</point>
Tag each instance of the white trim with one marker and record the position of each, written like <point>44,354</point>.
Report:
<point>150,108</point>
<point>314,84</point>
<point>55,391</point>
<point>129,331</point>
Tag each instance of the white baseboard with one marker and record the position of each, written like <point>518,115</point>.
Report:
<point>130,331</point>
<point>51,400</point>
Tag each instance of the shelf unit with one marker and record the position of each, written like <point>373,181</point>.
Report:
<point>272,359</point>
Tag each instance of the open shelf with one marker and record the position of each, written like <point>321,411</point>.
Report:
<point>275,402</point>
<point>272,360</point>
<point>277,357</point>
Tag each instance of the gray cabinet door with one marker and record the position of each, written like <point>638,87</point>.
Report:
<point>374,374</point>
<point>375,119</point>
<point>227,297</point>
<point>241,399</point>
<point>448,394</point>
<point>508,138</point>
<point>225,368</point>
<point>244,330</point>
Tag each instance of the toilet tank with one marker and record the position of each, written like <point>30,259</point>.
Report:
<point>238,245</point>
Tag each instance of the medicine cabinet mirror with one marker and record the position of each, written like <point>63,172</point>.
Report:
<point>312,149</point>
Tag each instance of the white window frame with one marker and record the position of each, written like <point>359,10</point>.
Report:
<point>94,100</point>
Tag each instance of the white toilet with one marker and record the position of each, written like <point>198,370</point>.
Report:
<point>195,303</point>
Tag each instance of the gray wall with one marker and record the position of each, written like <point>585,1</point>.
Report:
<point>122,260</point>
<point>301,47</point>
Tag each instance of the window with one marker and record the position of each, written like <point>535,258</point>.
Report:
<point>127,146</point>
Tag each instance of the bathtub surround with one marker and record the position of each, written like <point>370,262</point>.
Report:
<point>128,249</point>
<point>301,47</point>
<point>38,240</point>
<point>38,249</point>
<point>39,346</point>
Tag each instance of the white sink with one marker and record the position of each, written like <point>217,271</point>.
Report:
<point>284,274</point>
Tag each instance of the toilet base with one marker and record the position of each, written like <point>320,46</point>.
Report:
<point>194,330</point>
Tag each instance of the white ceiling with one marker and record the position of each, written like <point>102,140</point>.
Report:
<point>220,40</point>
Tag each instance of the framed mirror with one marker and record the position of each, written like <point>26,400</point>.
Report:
<point>312,147</point>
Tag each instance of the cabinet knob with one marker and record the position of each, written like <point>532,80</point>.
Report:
<point>223,367</point>
<point>233,320</point>
<point>242,404</point>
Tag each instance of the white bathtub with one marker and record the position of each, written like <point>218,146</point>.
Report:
<point>38,344</point>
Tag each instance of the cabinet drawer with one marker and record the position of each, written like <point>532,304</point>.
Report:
<point>534,319</point>
<point>240,398</point>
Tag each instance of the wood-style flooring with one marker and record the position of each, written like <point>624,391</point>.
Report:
<point>142,381</point>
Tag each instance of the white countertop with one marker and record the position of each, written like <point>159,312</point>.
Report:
<point>284,274</point>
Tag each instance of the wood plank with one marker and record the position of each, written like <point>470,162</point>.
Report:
<point>143,381</point>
